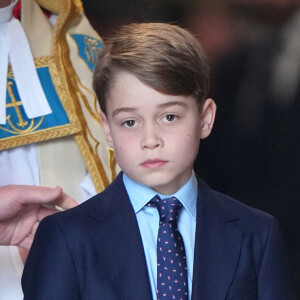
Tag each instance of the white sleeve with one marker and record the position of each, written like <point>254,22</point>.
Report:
<point>19,166</point>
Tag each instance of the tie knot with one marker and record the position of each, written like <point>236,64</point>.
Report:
<point>168,209</point>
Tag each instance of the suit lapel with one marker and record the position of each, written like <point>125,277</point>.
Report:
<point>114,231</point>
<point>217,247</point>
<point>119,245</point>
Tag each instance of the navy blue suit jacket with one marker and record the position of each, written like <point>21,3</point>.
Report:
<point>95,251</point>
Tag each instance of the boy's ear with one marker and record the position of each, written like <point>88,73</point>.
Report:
<point>207,115</point>
<point>106,128</point>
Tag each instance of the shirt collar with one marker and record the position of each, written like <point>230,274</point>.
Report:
<point>140,194</point>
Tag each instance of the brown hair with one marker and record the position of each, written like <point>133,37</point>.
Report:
<point>165,57</point>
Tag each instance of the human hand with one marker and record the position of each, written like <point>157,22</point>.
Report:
<point>21,209</point>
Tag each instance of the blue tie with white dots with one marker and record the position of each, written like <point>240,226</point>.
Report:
<point>171,260</point>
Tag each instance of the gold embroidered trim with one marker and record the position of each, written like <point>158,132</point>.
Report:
<point>79,5</point>
<point>29,135</point>
<point>112,164</point>
<point>31,128</point>
<point>94,58</point>
<point>38,136</point>
<point>60,50</point>
<point>62,92</point>
<point>94,113</point>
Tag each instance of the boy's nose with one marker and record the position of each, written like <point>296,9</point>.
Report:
<point>151,138</point>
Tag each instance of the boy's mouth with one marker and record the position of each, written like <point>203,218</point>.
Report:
<point>153,163</point>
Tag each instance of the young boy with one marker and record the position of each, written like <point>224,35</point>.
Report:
<point>125,243</point>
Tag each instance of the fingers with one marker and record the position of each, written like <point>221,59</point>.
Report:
<point>44,211</point>
<point>65,201</point>
<point>26,242</point>
<point>22,207</point>
<point>46,195</point>
<point>26,194</point>
<point>37,223</point>
<point>15,197</point>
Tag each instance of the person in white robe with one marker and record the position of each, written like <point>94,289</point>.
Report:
<point>50,131</point>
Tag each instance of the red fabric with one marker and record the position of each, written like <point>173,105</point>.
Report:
<point>17,10</point>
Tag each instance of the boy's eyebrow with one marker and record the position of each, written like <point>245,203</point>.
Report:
<point>172,103</point>
<point>132,109</point>
<point>122,109</point>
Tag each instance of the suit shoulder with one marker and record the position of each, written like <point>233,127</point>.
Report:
<point>248,214</point>
<point>99,206</point>
<point>259,228</point>
<point>228,209</point>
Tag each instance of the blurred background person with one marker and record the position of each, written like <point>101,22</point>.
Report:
<point>255,61</point>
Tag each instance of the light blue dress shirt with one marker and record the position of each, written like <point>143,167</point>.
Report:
<point>148,221</point>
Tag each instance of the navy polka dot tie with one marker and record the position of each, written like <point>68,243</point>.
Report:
<point>171,260</point>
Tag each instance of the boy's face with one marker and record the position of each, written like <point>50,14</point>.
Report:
<point>155,136</point>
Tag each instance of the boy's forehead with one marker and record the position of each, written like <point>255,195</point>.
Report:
<point>128,93</point>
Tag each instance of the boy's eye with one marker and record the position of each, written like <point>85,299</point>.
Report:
<point>129,123</point>
<point>170,117</point>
